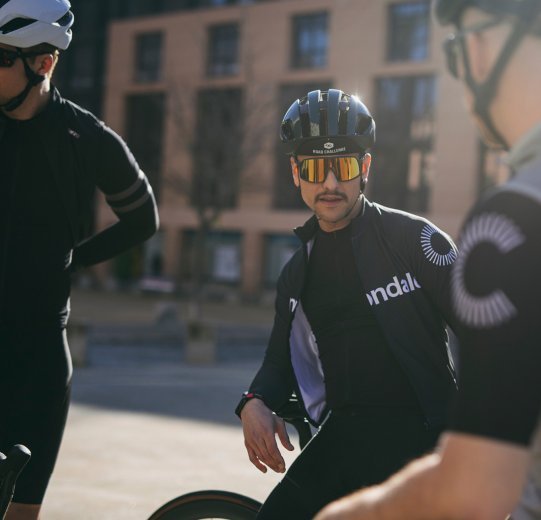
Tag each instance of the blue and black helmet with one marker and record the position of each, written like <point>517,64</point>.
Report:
<point>328,122</point>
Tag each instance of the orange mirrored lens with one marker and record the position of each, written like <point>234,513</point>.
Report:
<point>343,168</point>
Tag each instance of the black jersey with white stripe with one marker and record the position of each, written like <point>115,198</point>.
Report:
<point>53,164</point>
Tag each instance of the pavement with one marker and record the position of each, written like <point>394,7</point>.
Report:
<point>146,426</point>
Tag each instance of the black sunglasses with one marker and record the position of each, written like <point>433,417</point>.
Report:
<point>8,57</point>
<point>453,45</point>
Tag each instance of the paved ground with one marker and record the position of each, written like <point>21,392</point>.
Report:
<point>145,426</point>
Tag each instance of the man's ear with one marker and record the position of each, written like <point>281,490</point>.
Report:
<point>295,171</point>
<point>44,64</point>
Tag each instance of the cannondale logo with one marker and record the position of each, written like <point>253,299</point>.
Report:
<point>436,248</point>
<point>328,146</point>
<point>495,308</point>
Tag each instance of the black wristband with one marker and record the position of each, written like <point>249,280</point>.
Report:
<point>246,396</point>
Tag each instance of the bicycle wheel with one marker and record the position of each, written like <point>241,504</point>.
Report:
<point>208,504</point>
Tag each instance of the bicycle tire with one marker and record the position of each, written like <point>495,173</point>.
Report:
<point>10,468</point>
<point>208,504</point>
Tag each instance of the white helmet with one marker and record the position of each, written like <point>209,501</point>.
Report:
<point>25,23</point>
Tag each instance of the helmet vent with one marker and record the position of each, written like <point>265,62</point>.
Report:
<point>342,120</point>
<point>305,124</point>
<point>363,122</point>
<point>15,24</point>
<point>65,20</point>
<point>323,128</point>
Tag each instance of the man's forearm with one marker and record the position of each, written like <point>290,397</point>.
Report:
<point>471,477</point>
<point>408,494</point>
<point>117,238</point>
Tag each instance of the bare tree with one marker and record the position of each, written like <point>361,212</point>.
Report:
<point>225,138</point>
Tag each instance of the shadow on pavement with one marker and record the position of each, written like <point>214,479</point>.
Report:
<point>155,380</point>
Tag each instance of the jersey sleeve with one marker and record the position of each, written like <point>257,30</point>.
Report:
<point>130,196</point>
<point>125,186</point>
<point>433,254</point>
<point>496,300</point>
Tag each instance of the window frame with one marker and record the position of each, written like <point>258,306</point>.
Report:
<point>393,41</point>
<point>298,58</point>
<point>153,74</point>
<point>217,68</point>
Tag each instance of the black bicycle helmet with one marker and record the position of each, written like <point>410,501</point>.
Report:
<point>450,11</point>
<point>328,123</point>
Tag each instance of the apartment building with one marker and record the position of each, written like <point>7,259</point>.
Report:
<point>199,93</point>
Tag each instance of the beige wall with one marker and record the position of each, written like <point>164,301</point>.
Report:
<point>356,57</point>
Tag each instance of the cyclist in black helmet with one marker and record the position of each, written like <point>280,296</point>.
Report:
<point>360,328</point>
<point>494,433</point>
<point>53,154</point>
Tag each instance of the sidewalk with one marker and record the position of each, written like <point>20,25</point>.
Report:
<point>144,427</point>
<point>138,436</point>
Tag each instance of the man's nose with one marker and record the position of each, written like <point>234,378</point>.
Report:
<point>330,181</point>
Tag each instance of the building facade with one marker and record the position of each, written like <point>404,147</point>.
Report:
<point>199,92</point>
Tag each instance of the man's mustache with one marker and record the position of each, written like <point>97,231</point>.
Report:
<point>332,194</point>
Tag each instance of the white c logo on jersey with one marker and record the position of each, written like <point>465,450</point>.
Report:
<point>439,258</point>
<point>495,308</point>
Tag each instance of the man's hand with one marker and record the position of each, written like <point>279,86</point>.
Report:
<point>260,428</point>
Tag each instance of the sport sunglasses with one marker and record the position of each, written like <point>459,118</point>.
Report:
<point>9,57</point>
<point>315,169</point>
<point>453,45</point>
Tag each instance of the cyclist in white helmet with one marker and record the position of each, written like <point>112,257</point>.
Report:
<point>54,155</point>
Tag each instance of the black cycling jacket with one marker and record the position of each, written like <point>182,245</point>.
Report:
<point>82,154</point>
<point>404,263</point>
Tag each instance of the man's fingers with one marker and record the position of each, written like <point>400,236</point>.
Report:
<point>254,459</point>
<point>276,461</point>
<point>261,451</point>
<point>283,435</point>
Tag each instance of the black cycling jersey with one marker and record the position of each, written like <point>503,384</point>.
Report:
<point>496,292</point>
<point>358,366</point>
<point>403,263</point>
<point>55,161</point>
<point>35,239</point>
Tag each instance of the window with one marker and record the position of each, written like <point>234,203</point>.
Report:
<point>144,133</point>
<point>286,195</point>
<point>408,31</point>
<point>278,250</point>
<point>403,155</point>
<point>310,41</point>
<point>222,258</point>
<point>217,156</point>
<point>223,50</point>
<point>148,57</point>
